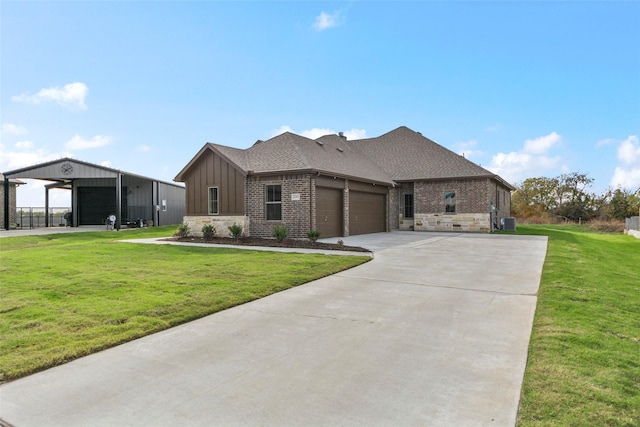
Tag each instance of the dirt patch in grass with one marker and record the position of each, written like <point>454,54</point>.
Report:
<point>271,243</point>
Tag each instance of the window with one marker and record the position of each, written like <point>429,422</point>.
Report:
<point>164,205</point>
<point>450,201</point>
<point>213,201</point>
<point>273,202</point>
<point>408,205</point>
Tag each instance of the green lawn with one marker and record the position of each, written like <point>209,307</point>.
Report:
<point>584,356</point>
<point>63,296</point>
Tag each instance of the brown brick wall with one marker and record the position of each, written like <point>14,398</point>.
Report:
<point>12,205</point>
<point>296,215</point>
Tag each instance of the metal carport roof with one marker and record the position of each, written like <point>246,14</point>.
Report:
<point>63,172</point>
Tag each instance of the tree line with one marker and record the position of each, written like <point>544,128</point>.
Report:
<point>567,197</point>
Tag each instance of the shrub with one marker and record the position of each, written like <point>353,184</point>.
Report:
<point>313,235</point>
<point>280,232</point>
<point>182,231</point>
<point>235,231</point>
<point>340,242</point>
<point>208,231</point>
<point>608,226</point>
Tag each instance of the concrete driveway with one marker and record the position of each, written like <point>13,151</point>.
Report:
<point>433,331</point>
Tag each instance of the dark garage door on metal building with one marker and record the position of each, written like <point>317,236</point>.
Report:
<point>329,211</point>
<point>95,204</point>
<point>367,212</point>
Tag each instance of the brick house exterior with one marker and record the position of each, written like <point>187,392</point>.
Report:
<point>400,180</point>
<point>13,184</point>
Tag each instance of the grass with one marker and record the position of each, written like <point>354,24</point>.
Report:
<point>584,356</point>
<point>63,296</point>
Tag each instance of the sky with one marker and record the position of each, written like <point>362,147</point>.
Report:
<point>523,88</point>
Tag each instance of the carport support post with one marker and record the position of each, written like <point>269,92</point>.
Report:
<point>118,201</point>
<point>46,207</point>
<point>6,202</point>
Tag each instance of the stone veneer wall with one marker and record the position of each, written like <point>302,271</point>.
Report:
<point>473,222</point>
<point>221,223</point>
<point>473,199</point>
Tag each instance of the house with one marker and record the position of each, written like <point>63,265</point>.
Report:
<point>8,202</point>
<point>400,180</point>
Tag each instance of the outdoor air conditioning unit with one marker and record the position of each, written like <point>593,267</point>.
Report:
<point>508,224</point>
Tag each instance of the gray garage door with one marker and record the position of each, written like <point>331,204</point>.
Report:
<point>367,213</point>
<point>329,212</point>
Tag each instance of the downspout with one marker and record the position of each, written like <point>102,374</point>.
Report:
<point>6,202</point>
<point>157,205</point>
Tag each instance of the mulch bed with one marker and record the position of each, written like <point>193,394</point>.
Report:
<point>273,243</point>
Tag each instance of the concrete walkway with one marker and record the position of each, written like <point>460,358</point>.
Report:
<point>433,331</point>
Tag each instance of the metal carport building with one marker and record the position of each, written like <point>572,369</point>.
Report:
<point>98,191</point>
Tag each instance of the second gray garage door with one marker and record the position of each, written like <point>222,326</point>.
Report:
<point>367,213</point>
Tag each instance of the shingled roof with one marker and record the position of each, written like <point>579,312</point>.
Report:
<point>406,155</point>
<point>399,155</point>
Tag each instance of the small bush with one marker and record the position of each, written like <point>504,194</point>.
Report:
<point>208,231</point>
<point>340,242</point>
<point>607,226</point>
<point>280,232</point>
<point>313,235</point>
<point>182,231</point>
<point>235,231</point>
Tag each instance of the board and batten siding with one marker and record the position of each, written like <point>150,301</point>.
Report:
<point>211,170</point>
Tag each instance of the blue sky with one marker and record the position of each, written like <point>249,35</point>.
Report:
<point>524,89</point>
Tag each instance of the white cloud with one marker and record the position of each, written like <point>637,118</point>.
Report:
<point>326,20</point>
<point>79,143</point>
<point>282,129</point>
<point>24,144</point>
<point>467,148</point>
<point>606,141</point>
<point>542,144</point>
<point>11,159</point>
<point>627,174</point>
<point>106,164</point>
<point>355,134</point>
<point>629,151</point>
<point>494,128</point>
<point>530,161</point>
<point>70,95</point>
<point>315,133</point>
<point>11,129</point>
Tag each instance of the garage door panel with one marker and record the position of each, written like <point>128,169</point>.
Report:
<point>329,212</point>
<point>367,213</point>
<point>95,204</point>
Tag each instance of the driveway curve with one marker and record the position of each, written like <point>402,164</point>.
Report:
<point>433,331</point>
